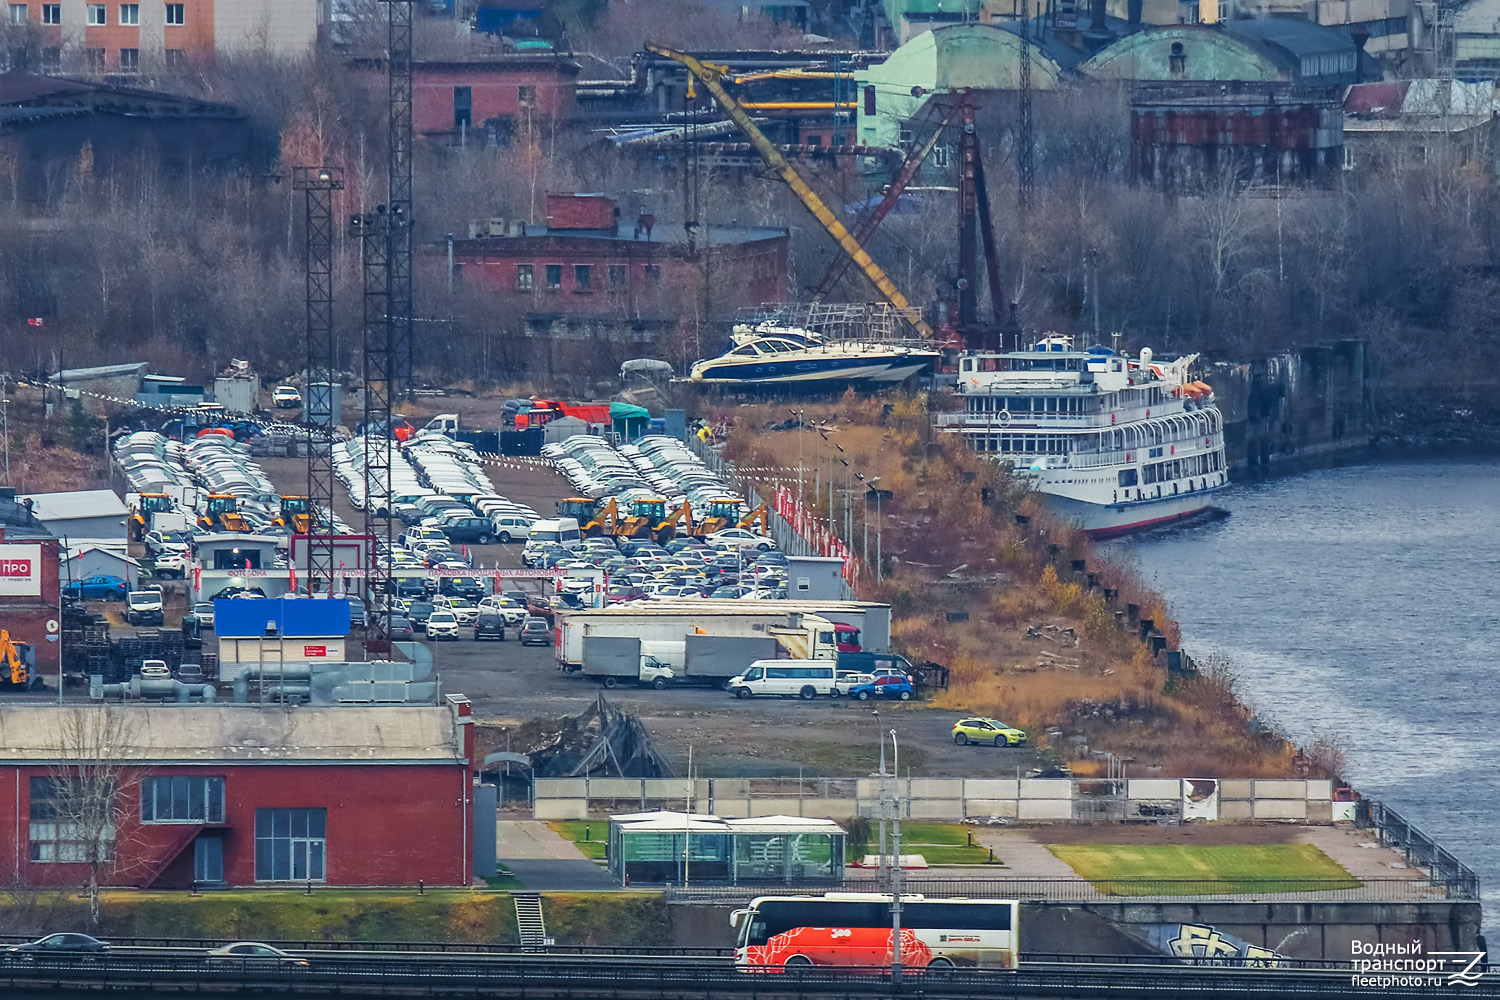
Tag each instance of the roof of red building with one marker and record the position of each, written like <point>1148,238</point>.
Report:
<point>246,734</point>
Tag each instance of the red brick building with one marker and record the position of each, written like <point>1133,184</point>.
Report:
<point>587,260</point>
<point>30,607</point>
<point>593,287</point>
<point>241,795</point>
<point>487,101</point>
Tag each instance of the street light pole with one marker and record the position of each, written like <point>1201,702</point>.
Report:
<point>896,871</point>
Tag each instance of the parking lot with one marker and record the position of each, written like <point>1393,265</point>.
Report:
<point>510,685</point>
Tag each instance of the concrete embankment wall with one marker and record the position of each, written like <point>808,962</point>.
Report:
<point>1059,800</point>
<point>1290,408</point>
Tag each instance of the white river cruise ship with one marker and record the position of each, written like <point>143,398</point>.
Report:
<point>1112,443</point>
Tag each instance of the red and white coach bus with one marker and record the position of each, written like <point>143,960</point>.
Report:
<point>853,930</point>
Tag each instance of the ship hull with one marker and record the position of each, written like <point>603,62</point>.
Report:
<point>814,371</point>
<point>1108,520</point>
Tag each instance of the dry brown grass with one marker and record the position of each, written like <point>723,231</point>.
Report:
<point>953,547</point>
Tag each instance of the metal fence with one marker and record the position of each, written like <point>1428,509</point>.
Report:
<point>1457,879</point>
<point>1066,890</point>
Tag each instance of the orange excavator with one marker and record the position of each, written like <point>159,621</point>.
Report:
<point>592,521</point>
<point>223,513</point>
<point>722,513</point>
<point>296,513</point>
<point>140,519</point>
<point>16,664</point>
<point>758,514</point>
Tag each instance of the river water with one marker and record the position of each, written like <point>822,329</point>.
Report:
<point>1362,601</point>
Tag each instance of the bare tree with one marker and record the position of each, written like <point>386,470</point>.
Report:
<point>89,791</point>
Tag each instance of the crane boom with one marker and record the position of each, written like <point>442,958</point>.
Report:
<point>710,75</point>
<point>944,113</point>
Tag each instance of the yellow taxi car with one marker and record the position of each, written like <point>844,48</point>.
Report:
<point>991,731</point>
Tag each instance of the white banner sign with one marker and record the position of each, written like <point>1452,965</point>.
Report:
<point>21,570</point>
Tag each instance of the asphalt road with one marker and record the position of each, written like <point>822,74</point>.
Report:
<point>511,685</point>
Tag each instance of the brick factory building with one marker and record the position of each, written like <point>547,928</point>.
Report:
<point>240,795</point>
<point>595,286</point>
<point>485,102</point>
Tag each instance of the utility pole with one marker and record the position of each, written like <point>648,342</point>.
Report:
<point>896,871</point>
<point>1026,151</point>
<point>399,180</point>
<point>5,419</point>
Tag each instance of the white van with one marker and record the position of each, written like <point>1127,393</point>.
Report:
<point>562,531</point>
<point>511,527</point>
<point>803,678</point>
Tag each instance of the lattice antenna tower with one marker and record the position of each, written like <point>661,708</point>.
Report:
<point>318,185</point>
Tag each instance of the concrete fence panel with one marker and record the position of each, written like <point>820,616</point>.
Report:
<point>618,788</point>
<point>1153,788</point>
<point>1044,809</point>
<point>950,809</point>
<point>1046,788</point>
<point>985,808</point>
<point>561,809</point>
<point>557,788</point>
<point>992,788</point>
<point>1320,790</point>
<point>1235,788</point>
<point>777,807</point>
<point>1281,809</point>
<point>1235,809</point>
<point>1269,788</point>
<point>933,788</point>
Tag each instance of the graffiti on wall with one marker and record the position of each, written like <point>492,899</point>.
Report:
<point>1204,944</point>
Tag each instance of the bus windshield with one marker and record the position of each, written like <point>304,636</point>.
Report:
<point>854,930</point>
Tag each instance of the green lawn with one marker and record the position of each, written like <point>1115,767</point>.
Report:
<point>1234,869</point>
<point>593,844</point>
<point>939,843</point>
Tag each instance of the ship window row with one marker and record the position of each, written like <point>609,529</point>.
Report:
<point>1029,404</point>
<point>1180,468</point>
<point>1023,444</point>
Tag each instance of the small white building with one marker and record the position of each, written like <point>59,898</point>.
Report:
<point>97,557</point>
<point>80,513</point>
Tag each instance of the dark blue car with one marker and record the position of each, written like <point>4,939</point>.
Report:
<point>97,588</point>
<point>884,687</point>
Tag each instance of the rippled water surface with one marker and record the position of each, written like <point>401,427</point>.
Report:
<point>1363,601</point>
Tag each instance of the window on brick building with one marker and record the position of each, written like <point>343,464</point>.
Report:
<point>619,277</point>
<point>652,272</point>
<point>554,277</point>
<point>130,60</point>
<point>52,60</point>
<point>130,13</point>
<point>583,278</point>
<point>524,277</point>
<point>18,13</point>
<point>291,845</point>
<point>175,14</point>
<point>52,13</point>
<point>526,96</point>
<point>463,107</point>
<point>97,15</point>
<point>183,799</point>
<point>17,59</point>
<point>94,59</point>
<point>176,58</point>
<point>58,833</point>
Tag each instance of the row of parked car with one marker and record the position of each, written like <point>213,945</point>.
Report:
<point>656,466</point>
<point>441,616</point>
<point>438,483</point>
<point>641,569</point>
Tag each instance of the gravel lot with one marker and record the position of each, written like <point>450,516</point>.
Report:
<point>510,684</point>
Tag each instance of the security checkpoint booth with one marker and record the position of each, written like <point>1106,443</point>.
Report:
<point>699,849</point>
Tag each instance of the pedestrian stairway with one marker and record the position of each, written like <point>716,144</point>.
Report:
<point>529,922</point>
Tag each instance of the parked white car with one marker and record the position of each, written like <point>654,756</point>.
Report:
<point>286,397</point>
<point>442,625</point>
<point>739,538</point>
